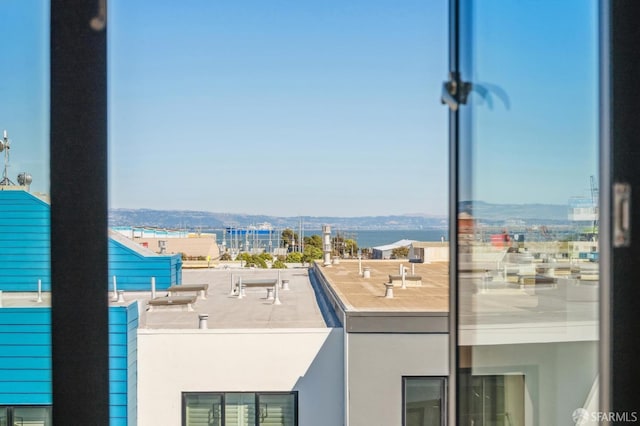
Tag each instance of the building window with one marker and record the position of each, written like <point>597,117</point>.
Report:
<point>25,415</point>
<point>424,403</point>
<point>492,399</point>
<point>239,409</point>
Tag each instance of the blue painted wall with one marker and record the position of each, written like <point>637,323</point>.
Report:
<point>133,270</point>
<point>25,246</point>
<point>24,242</point>
<point>123,366</point>
<point>25,359</point>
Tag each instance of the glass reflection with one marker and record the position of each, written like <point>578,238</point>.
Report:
<point>527,215</point>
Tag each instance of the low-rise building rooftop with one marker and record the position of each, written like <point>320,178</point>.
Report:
<point>298,307</point>
<point>368,294</point>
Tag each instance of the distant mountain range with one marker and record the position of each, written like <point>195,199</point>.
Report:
<point>528,213</point>
<point>200,220</point>
<point>186,219</point>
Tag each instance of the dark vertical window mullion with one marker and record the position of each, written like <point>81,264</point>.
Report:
<point>454,126</point>
<point>257,409</point>
<point>184,409</point>
<point>404,401</point>
<point>78,160</point>
<point>624,104</point>
<point>604,208</point>
<point>223,408</point>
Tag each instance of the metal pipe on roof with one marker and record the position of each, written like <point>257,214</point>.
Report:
<point>276,299</point>
<point>115,288</point>
<point>203,322</point>
<point>39,299</point>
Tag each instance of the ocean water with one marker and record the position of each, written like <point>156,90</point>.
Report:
<point>380,238</point>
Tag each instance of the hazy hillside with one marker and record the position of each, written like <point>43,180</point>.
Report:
<point>210,220</point>
<point>486,212</point>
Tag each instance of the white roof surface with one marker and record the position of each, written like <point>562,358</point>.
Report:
<point>401,243</point>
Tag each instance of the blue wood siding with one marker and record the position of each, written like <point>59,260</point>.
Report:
<point>25,246</point>
<point>123,366</point>
<point>25,359</point>
<point>25,356</point>
<point>24,242</point>
<point>133,271</point>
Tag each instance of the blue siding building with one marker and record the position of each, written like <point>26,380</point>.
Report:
<point>25,246</point>
<point>25,359</point>
<point>134,265</point>
<point>24,242</point>
<point>25,325</point>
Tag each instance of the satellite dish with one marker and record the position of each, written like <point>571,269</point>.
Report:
<point>25,179</point>
<point>1,146</point>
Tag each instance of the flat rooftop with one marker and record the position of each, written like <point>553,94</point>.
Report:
<point>298,308</point>
<point>18,299</point>
<point>367,294</point>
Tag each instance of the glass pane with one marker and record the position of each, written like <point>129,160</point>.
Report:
<point>423,401</point>
<point>25,338</point>
<point>527,217</point>
<point>276,410</point>
<point>32,416</point>
<point>240,409</point>
<point>233,97</point>
<point>203,410</point>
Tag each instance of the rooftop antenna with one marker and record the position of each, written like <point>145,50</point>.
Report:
<point>5,145</point>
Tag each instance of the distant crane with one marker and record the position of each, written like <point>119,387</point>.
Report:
<point>594,201</point>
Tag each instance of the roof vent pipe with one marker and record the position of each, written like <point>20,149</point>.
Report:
<point>366,272</point>
<point>39,299</point>
<point>203,321</point>
<point>388,290</point>
<point>121,296</point>
<point>285,285</point>
<point>276,299</point>
<point>115,289</point>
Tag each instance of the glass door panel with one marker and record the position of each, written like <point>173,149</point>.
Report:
<point>240,409</point>
<point>203,409</point>
<point>277,410</point>
<point>528,274</point>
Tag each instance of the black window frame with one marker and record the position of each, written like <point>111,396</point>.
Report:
<point>79,226</point>
<point>257,395</point>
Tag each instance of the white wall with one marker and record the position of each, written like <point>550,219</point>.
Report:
<point>307,360</point>
<point>558,376</point>
<point>376,365</point>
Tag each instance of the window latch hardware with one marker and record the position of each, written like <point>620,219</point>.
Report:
<point>621,215</point>
<point>99,21</point>
<point>455,91</point>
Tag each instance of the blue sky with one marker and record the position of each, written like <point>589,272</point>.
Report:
<point>278,107</point>
<point>24,89</point>
<point>541,145</point>
<point>319,107</point>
